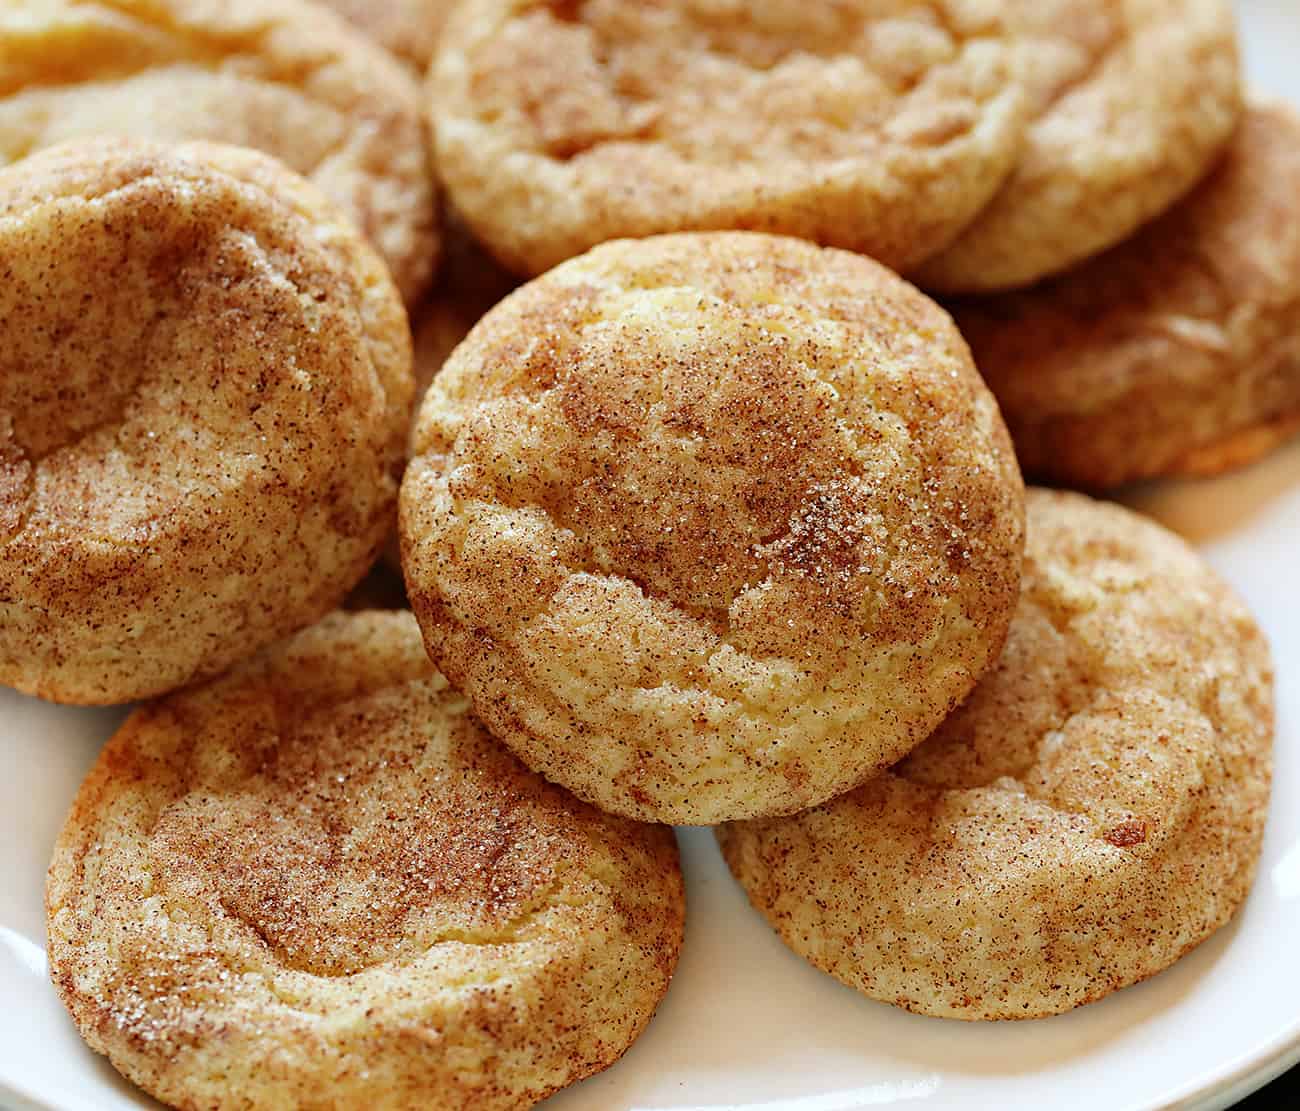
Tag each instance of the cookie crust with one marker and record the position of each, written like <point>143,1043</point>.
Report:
<point>317,882</point>
<point>711,525</point>
<point>204,396</point>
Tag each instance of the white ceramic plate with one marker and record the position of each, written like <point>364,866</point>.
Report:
<point>750,1027</point>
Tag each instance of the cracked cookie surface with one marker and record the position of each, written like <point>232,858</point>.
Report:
<point>712,525</point>
<point>1131,102</point>
<point>275,75</point>
<point>1092,812</point>
<point>205,388</point>
<point>317,881</point>
<point>1177,352</point>
<point>882,126</point>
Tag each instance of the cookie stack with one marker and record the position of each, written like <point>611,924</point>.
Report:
<point>714,521</point>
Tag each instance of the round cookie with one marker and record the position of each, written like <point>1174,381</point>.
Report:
<point>1091,813</point>
<point>407,28</point>
<point>205,388</point>
<point>1177,352</point>
<point>279,76</point>
<point>883,126</point>
<point>1132,101</point>
<point>318,882</point>
<point>712,525</point>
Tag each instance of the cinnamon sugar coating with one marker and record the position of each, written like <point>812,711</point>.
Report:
<point>205,387</point>
<point>1132,101</point>
<point>1092,812</point>
<point>280,76</point>
<point>883,126</point>
<point>1177,352</point>
<point>712,525</point>
<point>317,882</point>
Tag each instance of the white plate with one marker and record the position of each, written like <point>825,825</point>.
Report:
<point>748,1025</point>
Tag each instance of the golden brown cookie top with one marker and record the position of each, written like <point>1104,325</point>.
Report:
<point>1166,344</point>
<point>204,368</point>
<point>323,856</point>
<point>878,125</point>
<point>698,487</point>
<point>1093,809</point>
<point>1114,139</point>
<point>276,75</point>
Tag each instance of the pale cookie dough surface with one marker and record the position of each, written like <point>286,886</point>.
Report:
<point>317,882</point>
<point>205,388</point>
<point>280,76</point>
<point>407,28</point>
<point>1132,101</point>
<point>1092,812</point>
<point>882,126</point>
<point>712,525</point>
<point>1177,352</point>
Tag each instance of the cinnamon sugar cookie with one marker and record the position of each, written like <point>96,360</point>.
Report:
<point>1132,101</point>
<point>883,126</point>
<point>1177,352</point>
<point>317,882</point>
<point>205,387</point>
<point>1091,813</point>
<point>712,525</point>
<point>407,28</point>
<point>280,76</point>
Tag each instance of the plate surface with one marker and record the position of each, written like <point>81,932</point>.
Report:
<point>747,1024</point>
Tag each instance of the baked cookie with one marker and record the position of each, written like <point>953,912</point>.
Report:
<point>1132,101</point>
<point>883,126</point>
<point>205,389</point>
<point>407,28</point>
<point>712,525</point>
<point>317,882</point>
<point>1177,352</point>
<point>280,76</point>
<point>1091,813</point>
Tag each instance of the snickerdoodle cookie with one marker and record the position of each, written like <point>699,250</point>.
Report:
<point>712,525</point>
<point>883,126</point>
<point>407,28</point>
<point>281,76</point>
<point>1177,352</point>
<point>1132,100</point>
<point>1092,812</point>
<point>205,388</point>
<point>317,882</point>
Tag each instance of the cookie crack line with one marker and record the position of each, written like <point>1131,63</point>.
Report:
<point>510,932</point>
